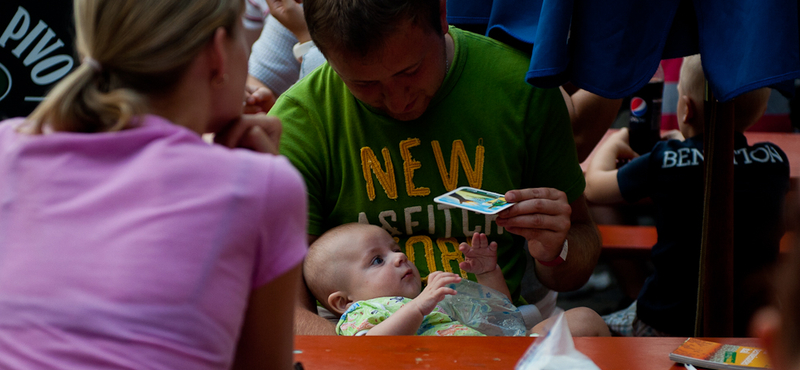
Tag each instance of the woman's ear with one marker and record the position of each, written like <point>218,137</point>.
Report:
<point>218,56</point>
<point>339,302</point>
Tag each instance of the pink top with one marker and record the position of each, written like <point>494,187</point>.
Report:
<point>137,249</point>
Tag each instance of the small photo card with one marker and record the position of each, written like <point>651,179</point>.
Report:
<point>477,200</point>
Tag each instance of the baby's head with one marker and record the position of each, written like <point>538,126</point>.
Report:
<point>355,262</point>
<point>749,107</point>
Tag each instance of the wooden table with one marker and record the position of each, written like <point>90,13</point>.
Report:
<point>413,352</point>
<point>637,241</point>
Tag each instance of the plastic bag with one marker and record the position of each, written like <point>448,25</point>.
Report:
<point>483,309</point>
<point>556,350</point>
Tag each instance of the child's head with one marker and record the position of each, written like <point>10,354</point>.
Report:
<point>355,262</point>
<point>749,107</point>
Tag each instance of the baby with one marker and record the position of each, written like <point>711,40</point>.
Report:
<point>359,272</point>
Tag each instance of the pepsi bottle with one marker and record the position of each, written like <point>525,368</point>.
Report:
<point>645,120</point>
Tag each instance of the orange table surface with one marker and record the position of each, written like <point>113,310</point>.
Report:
<point>414,352</point>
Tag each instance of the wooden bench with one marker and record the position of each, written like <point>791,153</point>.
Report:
<point>636,241</point>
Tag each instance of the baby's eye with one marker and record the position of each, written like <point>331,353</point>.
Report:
<point>377,260</point>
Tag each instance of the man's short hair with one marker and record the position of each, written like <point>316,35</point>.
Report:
<point>361,26</point>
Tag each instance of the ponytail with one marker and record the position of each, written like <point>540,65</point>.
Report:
<point>80,103</point>
<point>133,50</point>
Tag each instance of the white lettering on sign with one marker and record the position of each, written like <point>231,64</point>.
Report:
<point>46,70</point>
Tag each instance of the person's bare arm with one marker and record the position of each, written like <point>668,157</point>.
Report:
<point>545,219</point>
<point>266,339</point>
<point>307,321</point>
<point>585,246</point>
<point>591,115</point>
<point>407,319</point>
<point>601,173</point>
<point>290,14</point>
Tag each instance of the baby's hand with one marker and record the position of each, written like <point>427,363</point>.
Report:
<point>435,291</point>
<point>479,258</point>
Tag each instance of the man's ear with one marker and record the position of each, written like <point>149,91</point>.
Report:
<point>443,16</point>
<point>689,111</point>
<point>339,301</point>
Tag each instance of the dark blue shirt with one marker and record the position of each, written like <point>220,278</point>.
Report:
<point>672,176</point>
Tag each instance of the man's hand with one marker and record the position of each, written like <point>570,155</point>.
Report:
<point>542,216</point>
<point>480,257</point>
<point>290,14</point>
<point>435,291</point>
<point>256,132</point>
<point>258,99</point>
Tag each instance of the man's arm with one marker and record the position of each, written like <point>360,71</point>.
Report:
<point>585,246</point>
<point>306,320</point>
<point>545,219</point>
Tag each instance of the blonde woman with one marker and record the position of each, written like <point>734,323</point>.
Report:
<point>126,241</point>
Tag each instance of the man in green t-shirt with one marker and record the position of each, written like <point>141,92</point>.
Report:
<point>408,108</point>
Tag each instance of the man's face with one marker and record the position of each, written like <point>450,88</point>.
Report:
<point>375,267</point>
<point>401,78</point>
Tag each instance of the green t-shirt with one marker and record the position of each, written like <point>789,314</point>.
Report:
<point>485,128</point>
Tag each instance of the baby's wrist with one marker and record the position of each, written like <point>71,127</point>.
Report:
<point>496,268</point>
<point>419,306</point>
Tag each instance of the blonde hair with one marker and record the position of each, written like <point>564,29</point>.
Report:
<point>749,106</point>
<point>131,49</point>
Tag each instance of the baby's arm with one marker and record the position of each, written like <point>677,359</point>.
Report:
<point>481,260</point>
<point>407,319</point>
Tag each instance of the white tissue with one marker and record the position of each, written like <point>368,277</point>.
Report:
<point>556,350</point>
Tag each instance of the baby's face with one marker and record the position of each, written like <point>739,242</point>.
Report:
<point>376,267</point>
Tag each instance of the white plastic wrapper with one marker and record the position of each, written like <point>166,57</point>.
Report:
<point>555,351</point>
<point>483,309</point>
